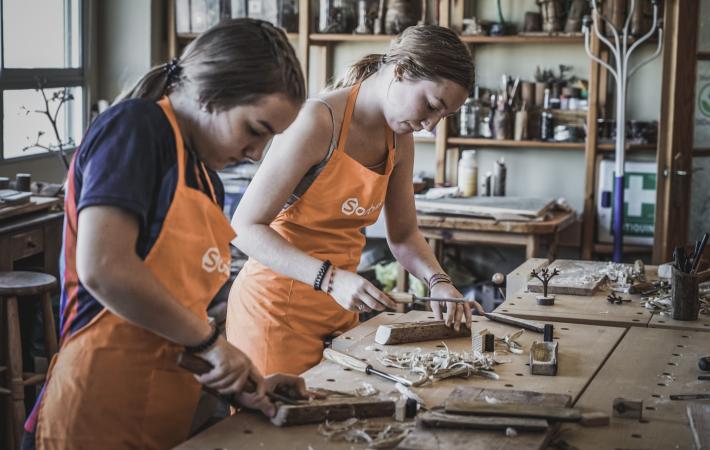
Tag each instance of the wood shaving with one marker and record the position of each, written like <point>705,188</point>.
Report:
<point>440,364</point>
<point>511,343</point>
<point>356,431</point>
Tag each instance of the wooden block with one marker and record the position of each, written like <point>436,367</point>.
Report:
<point>595,419</point>
<point>434,419</point>
<point>322,410</point>
<point>699,421</point>
<point>466,395</point>
<point>631,409</point>
<point>483,342</point>
<point>559,414</point>
<point>575,278</point>
<point>545,301</point>
<point>543,358</point>
<point>406,332</point>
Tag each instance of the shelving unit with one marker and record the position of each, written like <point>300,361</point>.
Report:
<point>317,50</point>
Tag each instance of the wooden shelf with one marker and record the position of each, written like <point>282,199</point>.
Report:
<point>323,37</point>
<point>515,144</point>
<point>186,37</point>
<point>608,249</point>
<point>524,39</point>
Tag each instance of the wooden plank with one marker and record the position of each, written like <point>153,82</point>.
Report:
<point>675,149</point>
<point>554,221</point>
<point>36,204</point>
<point>528,207</point>
<point>442,420</point>
<point>465,395</point>
<point>649,365</point>
<point>408,332</point>
<point>575,278</point>
<point>337,409</point>
<point>482,142</point>
<point>516,410</point>
<point>699,421</point>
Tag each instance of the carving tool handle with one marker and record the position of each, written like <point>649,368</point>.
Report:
<point>198,366</point>
<point>401,297</point>
<point>345,360</point>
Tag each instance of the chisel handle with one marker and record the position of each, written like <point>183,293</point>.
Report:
<point>406,297</point>
<point>345,360</point>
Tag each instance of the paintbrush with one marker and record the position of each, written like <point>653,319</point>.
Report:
<point>407,298</point>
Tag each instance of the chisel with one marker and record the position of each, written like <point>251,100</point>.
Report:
<point>198,366</point>
<point>361,366</point>
<point>405,297</point>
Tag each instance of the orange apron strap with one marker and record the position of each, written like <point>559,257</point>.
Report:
<point>179,143</point>
<point>209,182</point>
<point>349,107</point>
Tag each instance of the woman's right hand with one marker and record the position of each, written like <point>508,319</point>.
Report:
<point>231,370</point>
<point>355,293</point>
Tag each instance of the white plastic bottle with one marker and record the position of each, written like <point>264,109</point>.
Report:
<point>468,173</point>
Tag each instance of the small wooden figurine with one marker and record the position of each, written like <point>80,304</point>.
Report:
<point>545,276</point>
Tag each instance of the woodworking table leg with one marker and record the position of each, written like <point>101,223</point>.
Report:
<point>532,246</point>
<point>552,242</point>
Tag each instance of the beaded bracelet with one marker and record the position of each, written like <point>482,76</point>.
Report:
<point>207,343</point>
<point>438,278</point>
<point>321,273</point>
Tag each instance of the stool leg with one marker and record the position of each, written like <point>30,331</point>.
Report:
<point>50,331</point>
<point>14,352</point>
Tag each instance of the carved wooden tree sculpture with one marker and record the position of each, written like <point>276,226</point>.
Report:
<point>545,276</point>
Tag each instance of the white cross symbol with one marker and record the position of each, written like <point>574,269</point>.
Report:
<point>636,195</point>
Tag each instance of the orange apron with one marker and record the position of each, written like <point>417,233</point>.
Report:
<point>115,385</point>
<point>280,323</point>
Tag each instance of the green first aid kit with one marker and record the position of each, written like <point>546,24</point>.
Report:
<point>639,202</point>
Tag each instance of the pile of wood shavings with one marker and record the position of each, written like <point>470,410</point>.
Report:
<point>441,364</point>
<point>376,436</point>
<point>664,305</point>
<point>511,343</point>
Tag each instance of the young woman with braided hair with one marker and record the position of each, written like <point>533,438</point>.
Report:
<point>348,155</point>
<point>146,245</point>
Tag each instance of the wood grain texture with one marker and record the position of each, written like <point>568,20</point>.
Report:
<point>322,410</point>
<point>699,421</point>
<point>21,283</point>
<point>457,421</point>
<point>575,278</point>
<point>405,333</point>
<point>649,365</point>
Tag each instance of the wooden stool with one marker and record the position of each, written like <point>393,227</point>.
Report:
<point>12,286</point>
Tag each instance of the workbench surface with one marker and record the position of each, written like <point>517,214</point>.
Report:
<point>593,309</point>
<point>649,364</point>
<point>583,350</point>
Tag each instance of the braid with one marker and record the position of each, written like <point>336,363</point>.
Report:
<point>286,60</point>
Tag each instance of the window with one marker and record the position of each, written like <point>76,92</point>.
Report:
<point>40,46</point>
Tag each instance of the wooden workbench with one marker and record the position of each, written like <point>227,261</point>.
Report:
<point>592,309</point>
<point>649,364</point>
<point>441,229</point>
<point>578,363</point>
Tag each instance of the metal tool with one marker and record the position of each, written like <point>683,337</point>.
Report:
<point>620,51</point>
<point>405,297</point>
<point>353,363</point>
<point>698,253</point>
<point>690,397</point>
<point>198,366</point>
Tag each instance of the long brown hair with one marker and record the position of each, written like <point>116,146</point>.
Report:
<point>423,52</point>
<point>233,63</point>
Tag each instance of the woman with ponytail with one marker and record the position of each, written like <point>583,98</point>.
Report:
<point>348,156</point>
<point>146,245</point>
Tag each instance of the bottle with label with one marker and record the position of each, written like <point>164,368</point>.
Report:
<point>546,131</point>
<point>470,115</point>
<point>468,173</point>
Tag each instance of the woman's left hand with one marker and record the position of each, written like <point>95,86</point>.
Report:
<point>282,381</point>
<point>455,312</point>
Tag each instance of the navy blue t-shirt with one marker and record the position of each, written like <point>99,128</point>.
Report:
<point>127,159</point>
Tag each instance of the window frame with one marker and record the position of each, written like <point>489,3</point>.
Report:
<point>14,79</point>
